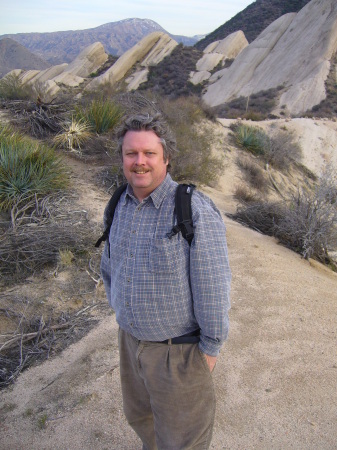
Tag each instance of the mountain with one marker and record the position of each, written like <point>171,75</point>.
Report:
<point>253,19</point>
<point>14,55</point>
<point>117,37</point>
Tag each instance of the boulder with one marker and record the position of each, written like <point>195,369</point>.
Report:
<point>218,52</point>
<point>293,52</point>
<point>136,79</point>
<point>230,47</point>
<point>199,77</point>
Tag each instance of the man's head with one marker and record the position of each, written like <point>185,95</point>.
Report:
<point>153,123</point>
<point>146,146</point>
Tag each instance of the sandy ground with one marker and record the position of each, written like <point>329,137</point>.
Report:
<point>275,378</point>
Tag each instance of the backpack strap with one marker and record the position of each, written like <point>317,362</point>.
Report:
<point>183,209</point>
<point>110,211</point>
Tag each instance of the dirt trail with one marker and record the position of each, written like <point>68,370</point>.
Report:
<point>275,378</point>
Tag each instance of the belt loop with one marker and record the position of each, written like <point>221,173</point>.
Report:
<point>169,341</point>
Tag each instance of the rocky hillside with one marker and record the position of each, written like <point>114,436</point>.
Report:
<point>253,19</point>
<point>14,55</point>
<point>116,37</point>
<point>293,57</point>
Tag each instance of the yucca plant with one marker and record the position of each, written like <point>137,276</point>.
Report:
<point>102,115</point>
<point>27,168</point>
<point>251,138</point>
<point>73,134</point>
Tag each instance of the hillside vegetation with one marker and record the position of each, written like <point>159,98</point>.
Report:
<point>253,19</point>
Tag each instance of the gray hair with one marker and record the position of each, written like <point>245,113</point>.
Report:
<point>155,123</point>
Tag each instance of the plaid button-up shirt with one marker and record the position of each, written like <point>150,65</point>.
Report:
<point>162,288</point>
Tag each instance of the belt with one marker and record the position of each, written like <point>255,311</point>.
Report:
<point>189,338</point>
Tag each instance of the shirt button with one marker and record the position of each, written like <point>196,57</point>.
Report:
<point>127,304</point>
<point>129,280</point>
<point>131,255</point>
<point>131,324</point>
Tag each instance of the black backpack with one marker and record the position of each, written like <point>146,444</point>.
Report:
<point>183,210</point>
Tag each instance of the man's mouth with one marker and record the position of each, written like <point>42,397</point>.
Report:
<point>140,171</point>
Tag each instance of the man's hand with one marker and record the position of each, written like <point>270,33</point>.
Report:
<point>211,360</point>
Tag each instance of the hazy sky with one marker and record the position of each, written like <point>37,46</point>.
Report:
<point>184,17</point>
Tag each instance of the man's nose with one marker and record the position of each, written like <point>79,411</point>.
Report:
<point>140,159</point>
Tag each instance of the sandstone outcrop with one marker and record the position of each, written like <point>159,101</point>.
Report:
<point>47,82</point>
<point>150,50</point>
<point>218,52</point>
<point>293,52</point>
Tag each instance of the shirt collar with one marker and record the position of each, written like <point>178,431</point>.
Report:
<point>157,196</point>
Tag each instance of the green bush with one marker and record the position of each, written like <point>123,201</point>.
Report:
<point>27,168</point>
<point>279,150</point>
<point>101,114</point>
<point>195,160</point>
<point>253,139</point>
<point>171,76</point>
<point>11,88</point>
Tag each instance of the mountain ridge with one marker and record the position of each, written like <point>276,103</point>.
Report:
<point>117,37</point>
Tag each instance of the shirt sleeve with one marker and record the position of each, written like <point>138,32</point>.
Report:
<point>210,274</point>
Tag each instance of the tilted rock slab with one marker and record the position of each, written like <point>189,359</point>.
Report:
<point>48,81</point>
<point>150,50</point>
<point>218,51</point>
<point>293,52</point>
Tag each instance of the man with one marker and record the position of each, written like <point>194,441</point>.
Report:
<point>171,299</point>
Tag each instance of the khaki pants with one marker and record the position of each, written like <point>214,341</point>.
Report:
<point>168,394</point>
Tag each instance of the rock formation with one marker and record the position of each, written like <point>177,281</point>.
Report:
<point>293,52</point>
<point>216,52</point>
<point>47,82</point>
<point>150,50</point>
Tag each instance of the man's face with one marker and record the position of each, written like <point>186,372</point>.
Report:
<point>143,162</point>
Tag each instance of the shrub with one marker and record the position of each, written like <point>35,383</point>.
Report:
<point>74,134</point>
<point>250,138</point>
<point>306,223</point>
<point>11,88</point>
<point>195,160</point>
<point>101,114</point>
<point>281,150</point>
<point>41,231</point>
<point>27,168</point>
<point>310,224</point>
<point>245,195</point>
<point>171,76</point>
<point>256,107</point>
<point>254,174</point>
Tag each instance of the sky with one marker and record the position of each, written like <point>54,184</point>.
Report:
<point>180,17</point>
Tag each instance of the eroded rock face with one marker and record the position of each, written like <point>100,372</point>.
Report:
<point>217,52</point>
<point>293,52</point>
<point>47,82</point>
<point>150,50</point>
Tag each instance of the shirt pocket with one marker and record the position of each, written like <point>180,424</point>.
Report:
<point>163,255</point>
